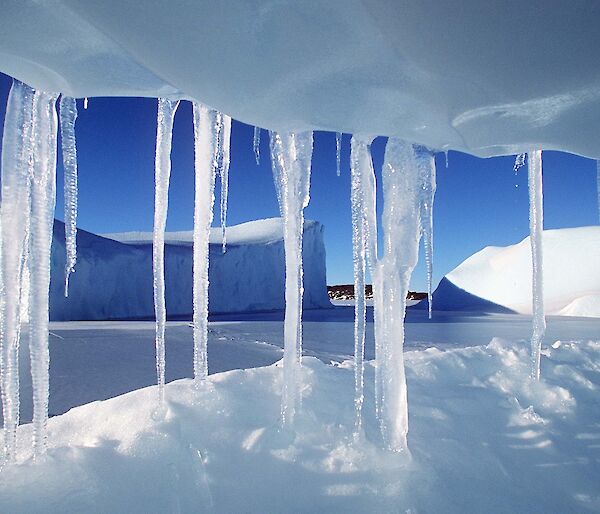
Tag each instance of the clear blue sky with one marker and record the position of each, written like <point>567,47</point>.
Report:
<point>479,202</point>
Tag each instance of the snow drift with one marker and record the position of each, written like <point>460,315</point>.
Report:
<point>484,438</point>
<point>484,77</point>
<point>499,278</point>
<point>113,279</point>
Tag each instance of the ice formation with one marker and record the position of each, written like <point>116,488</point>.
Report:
<point>223,130</point>
<point>68,115</point>
<point>401,225</point>
<point>256,145</point>
<point>360,162</point>
<point>16,183</point>
<point>426,162</point>
<point>536,226</point>
<point>519,162</point>
<point>291,156</point>
<point>43,198</point>
<point>164,134</point>
<point>205,163</point>
<point>338,153</point>
<point>28,199</point>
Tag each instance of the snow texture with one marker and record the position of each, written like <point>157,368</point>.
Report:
<point>499,278</point>
<point>377,76</point>
<point>484,438</point>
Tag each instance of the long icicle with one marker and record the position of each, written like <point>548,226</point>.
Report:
<point>401,234</point>
<point>43,200</point>
<point>224,159</point>
<point>291,156</point>
<point>536,227</point>
<point>256,145</point>
<point>361,168</point>
<point>68,115</point>
<point>164,135</point>
<point>426,162</point>
<point>205,164</point>
<point>17,166</point>
<point>338,153</point>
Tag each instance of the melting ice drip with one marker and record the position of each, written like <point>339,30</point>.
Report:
<point>364,249</point>
<point>426,162</point>
<point>28,200</point>
<point>291,156</point>
<point>206,126</point>
<point>408,189</point>
<point>536,226</point>
<point>68,115</point>
<point>223,134</point>
<point>338,153</point>
<point>256,145</point>
<point>164,136</point>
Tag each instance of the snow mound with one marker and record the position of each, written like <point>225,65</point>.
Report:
<point>499,278</point>
<point>586,306</point>
<point>113,280</point>
<point>493,77</point>
<point>483,438</point>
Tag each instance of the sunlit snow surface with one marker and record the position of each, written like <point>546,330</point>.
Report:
<point>482,439</point>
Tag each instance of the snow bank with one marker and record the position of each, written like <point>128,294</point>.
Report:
<point>483,439</point>
<point>493,77</point>
<point>113,280</point>
<point>499,278</point>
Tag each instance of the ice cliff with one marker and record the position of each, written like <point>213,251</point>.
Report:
<point>113,278</point>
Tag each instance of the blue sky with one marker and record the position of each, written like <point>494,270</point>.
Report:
<point>479,202</point>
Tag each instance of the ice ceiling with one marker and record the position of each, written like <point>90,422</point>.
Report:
<point>481,76</point>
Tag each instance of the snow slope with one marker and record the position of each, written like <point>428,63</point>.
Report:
<point>113,280</point>
<point>481,76</point>
<point>483,439</point>
<point>499,278</point>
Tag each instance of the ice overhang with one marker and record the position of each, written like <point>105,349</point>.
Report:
<point>480,76</point>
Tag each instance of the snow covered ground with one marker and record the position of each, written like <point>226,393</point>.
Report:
<point>482,437</point>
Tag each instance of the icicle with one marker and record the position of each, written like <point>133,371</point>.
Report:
<point>536,227</point>
<point>43,199</point>
<point>361,168</point>
<point>519,162</point>
<point>256,145</point>
<point>426,162</point>
<point>401,235</point>
<point>224,139</point>
<point>338,152</point>
<point>205,153</point>
<point>17,166</point>
<point>85,103</point>
<point>446,156</point>
<point>291,160</point>
<point>164,134</point>
<point>68,115</point>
